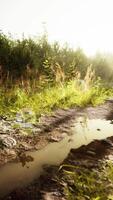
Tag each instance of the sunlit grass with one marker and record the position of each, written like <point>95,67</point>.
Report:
<point>51,98</point>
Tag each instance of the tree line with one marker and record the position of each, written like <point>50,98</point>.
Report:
<point>22,59</point>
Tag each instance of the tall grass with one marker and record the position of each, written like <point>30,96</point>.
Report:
<point>50,98</point>
<point>43,97</point>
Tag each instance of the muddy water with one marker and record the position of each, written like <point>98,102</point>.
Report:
<point>14,175</point>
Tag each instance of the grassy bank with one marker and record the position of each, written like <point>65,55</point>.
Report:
<point>51,98</point>
<point>83,184</point>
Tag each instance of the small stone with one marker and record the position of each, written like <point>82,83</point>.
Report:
<point>91,152</point>
<point>8,141</point>
<point>54,139</point>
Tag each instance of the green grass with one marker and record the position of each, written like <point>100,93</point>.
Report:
<point>80,183</point>
<point>51,98</point>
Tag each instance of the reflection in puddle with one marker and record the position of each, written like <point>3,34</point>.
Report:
<point>23,158</point>
<point>14,175</point>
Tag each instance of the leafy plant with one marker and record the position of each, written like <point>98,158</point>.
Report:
<point>82,183</point>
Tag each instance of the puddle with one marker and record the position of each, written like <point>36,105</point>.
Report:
<point>84,131</point>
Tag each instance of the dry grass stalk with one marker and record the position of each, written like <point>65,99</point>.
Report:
<point>90,76</point>
<point>58,73</point>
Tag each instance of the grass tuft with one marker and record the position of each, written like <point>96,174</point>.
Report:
<point>51,98</point>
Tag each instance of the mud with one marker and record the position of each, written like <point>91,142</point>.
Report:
<point>49,129</point>
<point>53,129</point>
<point>48,187</point>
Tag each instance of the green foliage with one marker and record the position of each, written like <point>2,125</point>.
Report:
<point>82,183</point>
<point>18,57</point>
<point>5,48</point>
<point>103,66</point>
<point>51,98</point>
<point>44,76</point>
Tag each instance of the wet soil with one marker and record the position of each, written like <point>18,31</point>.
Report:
<point>53,129</point>
<point>49,187</point>
<point>50,129</point>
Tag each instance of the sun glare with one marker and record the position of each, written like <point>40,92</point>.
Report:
<point>86,24</point>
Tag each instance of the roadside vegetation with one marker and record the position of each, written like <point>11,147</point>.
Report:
<point>51,98</point>
<point>80,183</point>
<point>43,77</point>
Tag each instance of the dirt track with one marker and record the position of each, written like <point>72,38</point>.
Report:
<point>52,128</point>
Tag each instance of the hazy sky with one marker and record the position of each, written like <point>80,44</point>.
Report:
<point>81,23</point>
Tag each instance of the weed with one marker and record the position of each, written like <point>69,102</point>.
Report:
<point>82,183</point>
<point>50,98</point>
